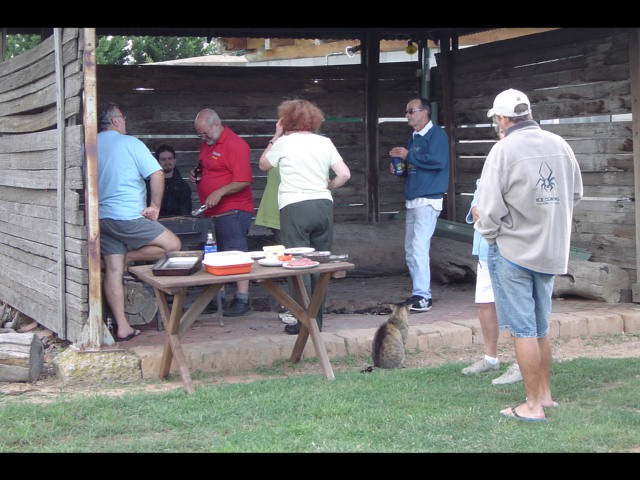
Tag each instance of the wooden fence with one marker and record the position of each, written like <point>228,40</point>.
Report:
<point>33,230</point>
<point>578,82</point>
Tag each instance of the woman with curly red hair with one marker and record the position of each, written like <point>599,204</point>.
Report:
<point>305,160</point>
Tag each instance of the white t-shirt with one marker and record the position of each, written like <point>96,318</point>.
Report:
<point>304,160</point>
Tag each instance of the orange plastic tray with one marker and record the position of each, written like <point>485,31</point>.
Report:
<point>229,269</point>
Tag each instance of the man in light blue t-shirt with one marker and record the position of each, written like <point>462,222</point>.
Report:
<point>129,230</point>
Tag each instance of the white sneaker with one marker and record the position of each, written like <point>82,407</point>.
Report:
<point>287,318</point>
<point>512,375</point>
<point>480,366</point>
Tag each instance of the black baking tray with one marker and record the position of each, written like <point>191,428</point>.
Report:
<point>179,263</point>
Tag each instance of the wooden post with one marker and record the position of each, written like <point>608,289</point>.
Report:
<point>634,71</point>
<point>61,187</point>
<point>371,59</point>
<point>94,332</point>
<point>448,46</point>
<point>3,44</point>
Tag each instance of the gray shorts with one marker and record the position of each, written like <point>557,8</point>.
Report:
<point>120,236</point>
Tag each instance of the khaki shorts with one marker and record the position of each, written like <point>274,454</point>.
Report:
<point>117,237</point>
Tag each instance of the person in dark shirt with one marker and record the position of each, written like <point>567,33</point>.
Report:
<point>177,192</point>
<point>426,175</point>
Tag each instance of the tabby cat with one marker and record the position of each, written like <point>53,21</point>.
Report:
<point>388,348</point>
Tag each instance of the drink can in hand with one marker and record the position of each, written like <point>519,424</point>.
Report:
<point>399,166</point>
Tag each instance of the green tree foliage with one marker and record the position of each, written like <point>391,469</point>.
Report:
<point>112,51</point>
<point>117,50</point>
<point>18,43</point>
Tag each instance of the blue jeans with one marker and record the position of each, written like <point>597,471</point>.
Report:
<point>523,297</point>
<point>232,230</point>
<point>420,225</point>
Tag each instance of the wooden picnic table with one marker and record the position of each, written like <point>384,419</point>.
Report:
<point>176,321</point>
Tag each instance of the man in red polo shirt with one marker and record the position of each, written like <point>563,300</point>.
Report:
<point>225,188</point>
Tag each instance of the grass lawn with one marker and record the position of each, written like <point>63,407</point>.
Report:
<point>432,410</point>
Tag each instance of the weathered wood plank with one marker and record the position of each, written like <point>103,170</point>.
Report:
<point>30,73</point>
<point>619,179</point>
<point>598,217</point>
<point>43,97</point>
<point>29,302</point>
<point>45,198</point>
<point>30,241</point>
<point>24,294</point>
<point>41,67</point>
<point>575,130</point>
<point>29,57</point>
<point>536,48</point>
<point>74,274</point>
<point>70,70</point>
<point>34,54</point>
<point>588,163</point>
<point>625,206</point>
<point>38,121</point>
<point>546,110</point>
<point>607,245</point>
<point>47,140</point>
<point>608,191</point>
<point>42,159</point>
<point>44,227</point>
<point>579,146</point>
<point>36,179</point>
<point>543,100</point>
<point>72,216</point>
<point>22,271</point>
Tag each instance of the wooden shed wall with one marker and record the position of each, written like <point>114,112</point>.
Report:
<point>29,227</point>
<point>568,74</point>
<point>161,103</point>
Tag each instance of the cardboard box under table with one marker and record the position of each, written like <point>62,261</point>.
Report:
<point>176,321</point>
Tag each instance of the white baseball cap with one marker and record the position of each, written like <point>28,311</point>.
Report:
<point>506,102</point>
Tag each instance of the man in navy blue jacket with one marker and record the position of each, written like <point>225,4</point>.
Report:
<point>427,179</point>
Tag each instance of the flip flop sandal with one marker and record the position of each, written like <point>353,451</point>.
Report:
<point>128,337</point>
<point>520,417</point>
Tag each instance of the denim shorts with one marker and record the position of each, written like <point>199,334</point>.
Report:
<point>523,297</point>
<point>117,237</point>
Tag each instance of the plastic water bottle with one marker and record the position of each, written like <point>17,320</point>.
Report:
<point>210,245</point>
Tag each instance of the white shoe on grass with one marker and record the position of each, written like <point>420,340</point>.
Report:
<point>512,375</point>
<point>480,366</point>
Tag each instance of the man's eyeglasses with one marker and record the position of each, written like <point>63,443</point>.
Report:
<point>124,117</point>
<point>411,111</point>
